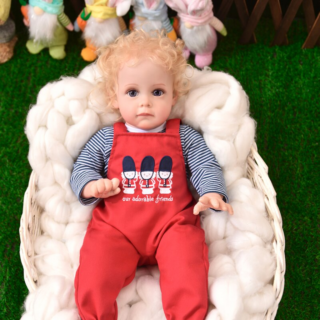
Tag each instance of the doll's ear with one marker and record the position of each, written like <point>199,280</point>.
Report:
<point>123,7</point>
<point>174,99</point>
<point>115,103</point>
<point>177,5</point>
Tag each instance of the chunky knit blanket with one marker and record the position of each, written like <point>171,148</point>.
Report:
<point>242,263</point>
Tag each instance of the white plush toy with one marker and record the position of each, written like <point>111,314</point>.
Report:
<point>242,262</point>
<point>198,28</point>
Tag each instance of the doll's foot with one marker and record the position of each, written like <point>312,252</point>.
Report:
<point>186,53</point>
<point>34,47</point>
<point>88,54</point>
<point>57,52</point>
<point>203,60</point>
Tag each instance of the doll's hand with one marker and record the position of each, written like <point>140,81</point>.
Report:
<point>212,200</point>
<point>218,25</point>
<point>26,22</point>
<point>70,27</point>
<point>102,188</point>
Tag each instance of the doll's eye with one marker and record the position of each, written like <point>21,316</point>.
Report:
<point>157,92</point>
<point>132,93</point>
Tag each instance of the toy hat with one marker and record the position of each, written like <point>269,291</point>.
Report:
<point>101,9</point>
<point>55,7</point>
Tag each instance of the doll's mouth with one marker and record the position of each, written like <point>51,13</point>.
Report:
<point>144,114</point>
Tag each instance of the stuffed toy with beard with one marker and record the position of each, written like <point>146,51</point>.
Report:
<point>152,15</point>
<point>7,32</point>
<point>101,23</point>
<point>198,28</point>
<point>47,24</point>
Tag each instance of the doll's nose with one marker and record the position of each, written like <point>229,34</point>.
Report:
<point>145,101</point>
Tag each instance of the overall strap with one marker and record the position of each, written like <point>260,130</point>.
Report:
<point>173,126</point>
<point>119,127</point>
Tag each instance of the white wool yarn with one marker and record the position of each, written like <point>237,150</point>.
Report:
<point>261,301</point>
<point>225,292</point>
<point>242,264</point>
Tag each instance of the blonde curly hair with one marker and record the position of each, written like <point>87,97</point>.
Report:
<point>141,45</point>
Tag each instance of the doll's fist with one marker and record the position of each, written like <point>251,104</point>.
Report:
<point>102,188</point>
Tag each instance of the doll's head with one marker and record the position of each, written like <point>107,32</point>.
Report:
<point>143,75</point>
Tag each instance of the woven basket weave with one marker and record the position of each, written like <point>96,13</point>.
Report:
<point>257,172</point>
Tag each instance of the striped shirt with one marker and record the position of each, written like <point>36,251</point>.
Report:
<point>201,165</point>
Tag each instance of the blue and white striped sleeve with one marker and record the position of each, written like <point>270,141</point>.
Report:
<point>206,173</point>
<point>92,163</point>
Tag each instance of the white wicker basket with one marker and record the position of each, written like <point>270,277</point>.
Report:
<point>257,172</point>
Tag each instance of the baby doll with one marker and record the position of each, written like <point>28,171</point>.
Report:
<point>150,217</point>
<point>100,25</point>
<point>198,28</point>
<point>47,26</point>
<point>152,15</point>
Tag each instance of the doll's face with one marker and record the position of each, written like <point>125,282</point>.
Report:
<point>144,94</point>
<point>146,175</point>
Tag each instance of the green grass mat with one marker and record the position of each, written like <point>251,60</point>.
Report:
<point>283,85</point>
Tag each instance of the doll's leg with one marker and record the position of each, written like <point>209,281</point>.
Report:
<point>203,60</point>
<point>57,52</point>
<point>186,53</point>
<point>89,52</point>
<point>34,47</point>
<point>108,262</point>
<point>183,262</point>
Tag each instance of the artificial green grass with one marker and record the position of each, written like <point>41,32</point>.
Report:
<point>283,85</point>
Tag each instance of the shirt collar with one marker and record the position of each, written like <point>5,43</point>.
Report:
<point>131,128</point>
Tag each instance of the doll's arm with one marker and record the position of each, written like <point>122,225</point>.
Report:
<point>65,21</point>
<point>82,19</point>
<point>206,173</point>
<point>24,11</point>
<point>212,200</point>
<point>218,25</point>
<point>92,163</point>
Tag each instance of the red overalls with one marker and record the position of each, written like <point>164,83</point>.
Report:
<point>130,230</point>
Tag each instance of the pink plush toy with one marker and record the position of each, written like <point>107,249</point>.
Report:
<point>197,28</point>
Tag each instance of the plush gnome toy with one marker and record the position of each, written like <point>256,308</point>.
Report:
<point>47,24</point>
<point>101,24</point>
<point>197,28</point>
<point>7,32</point>
<point>152,15</point>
